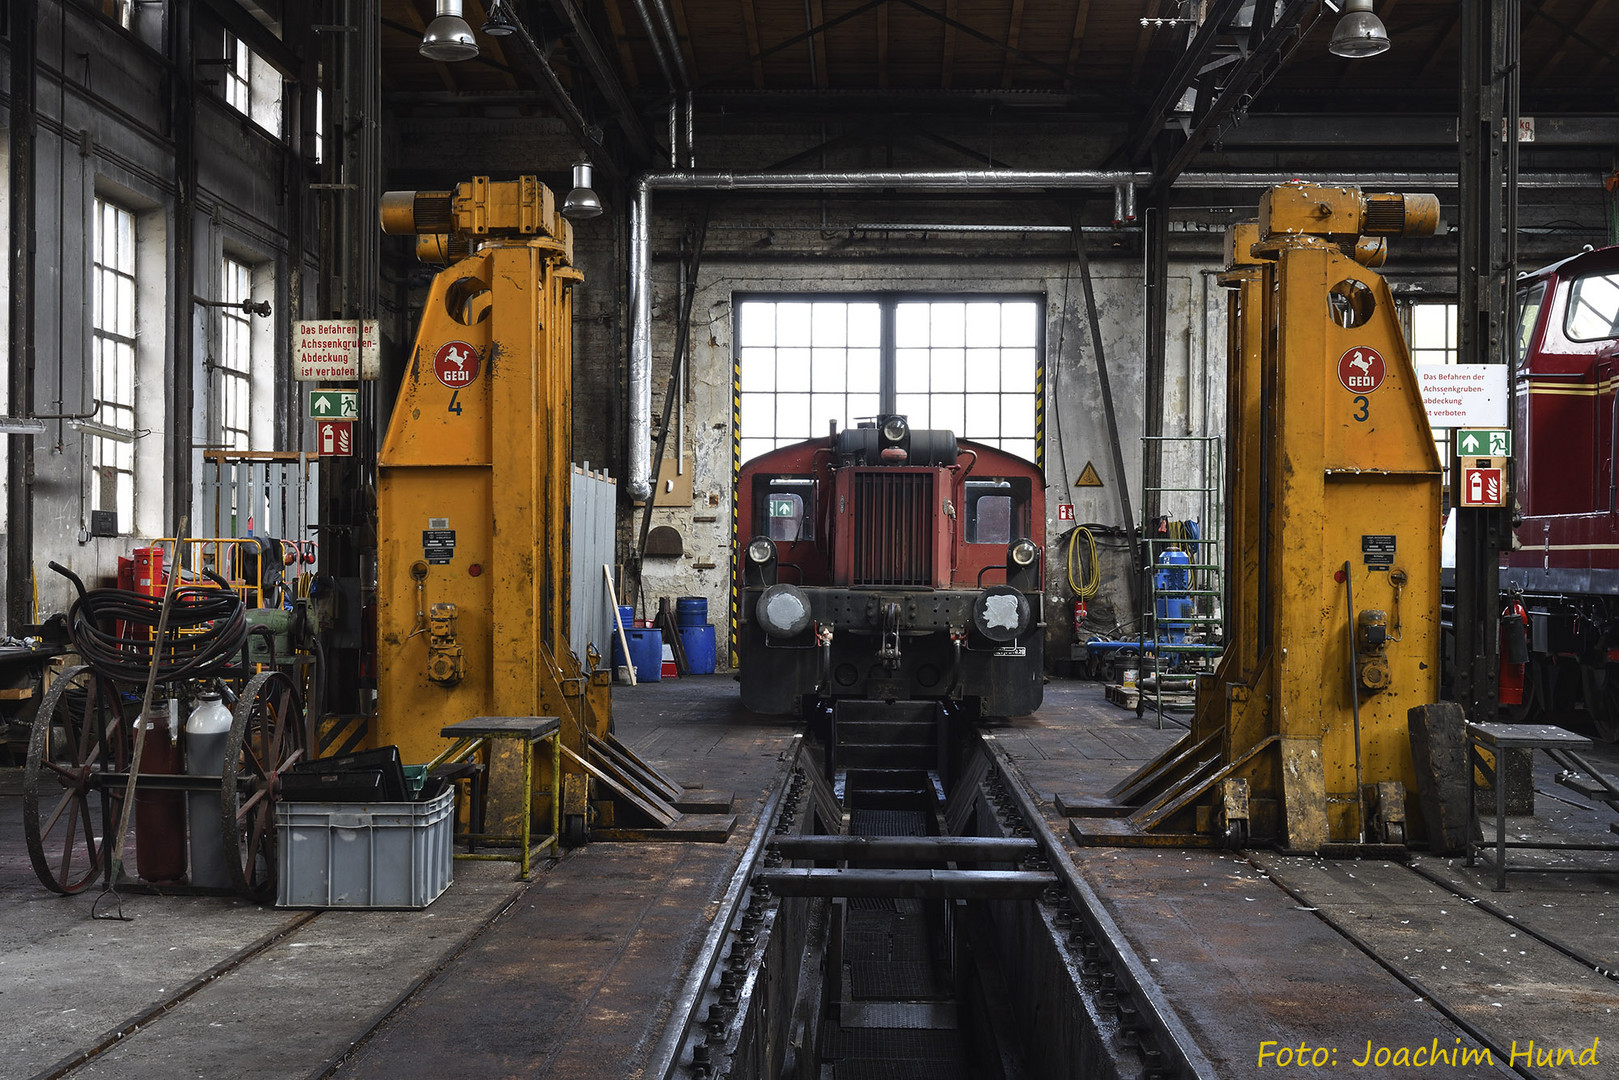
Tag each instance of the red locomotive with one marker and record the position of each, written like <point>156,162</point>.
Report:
<point>1560,584</point>
<point>890,564</point>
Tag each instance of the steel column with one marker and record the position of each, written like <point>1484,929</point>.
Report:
<point>1484,277</point>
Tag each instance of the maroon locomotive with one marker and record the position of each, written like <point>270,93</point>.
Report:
<point>890,564</point>
<point>1562,578</point>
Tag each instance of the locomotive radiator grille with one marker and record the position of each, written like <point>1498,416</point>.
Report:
<point>893,528</point>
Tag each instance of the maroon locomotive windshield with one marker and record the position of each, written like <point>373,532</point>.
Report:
<point>1593,307</point>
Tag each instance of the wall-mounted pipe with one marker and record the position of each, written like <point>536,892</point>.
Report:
<point>20,384</point>
<point>656,42</point>
<point>640,442</point>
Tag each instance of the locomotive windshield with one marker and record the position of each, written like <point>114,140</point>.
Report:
<point>1529,303</point>
<point>1593,307</point>
<point>997,510</point>
<point>785,507</point>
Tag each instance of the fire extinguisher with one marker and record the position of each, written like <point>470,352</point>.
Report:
<point>1081,613</point>
<point>1514,642</point>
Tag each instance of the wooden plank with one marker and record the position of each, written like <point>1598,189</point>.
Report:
<point>663,814</point>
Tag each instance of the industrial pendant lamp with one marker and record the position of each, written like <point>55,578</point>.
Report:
<point>582,202</point>
<point>448,36</point>
<point>1359,33</point>
<point>499,23</point>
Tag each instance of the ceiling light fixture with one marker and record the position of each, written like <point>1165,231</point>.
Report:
<point>582,202</point>
<point>1359,33</point>
<point>448,36</point>
<point>500,21</point>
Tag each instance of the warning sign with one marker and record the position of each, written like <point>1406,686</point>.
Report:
<point>334,438</point>
<point>1361,370</point>
<point>1483,487</point>
<point>336,349</point>
<point>1088,477</point>
<point>456,364</point>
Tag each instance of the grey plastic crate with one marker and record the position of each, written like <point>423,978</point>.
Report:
<point>364,855</point>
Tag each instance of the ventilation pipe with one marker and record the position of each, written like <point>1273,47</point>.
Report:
<point>640,448</point>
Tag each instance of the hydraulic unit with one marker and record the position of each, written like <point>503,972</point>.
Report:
<point>473,485</point>
<point>1300,736</point>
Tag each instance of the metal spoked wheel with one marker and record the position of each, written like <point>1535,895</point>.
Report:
<point>266,739</point>
<point>1601,686</point>
<point>79,735</point>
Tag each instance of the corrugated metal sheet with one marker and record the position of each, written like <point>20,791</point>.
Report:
<point>594,500</point>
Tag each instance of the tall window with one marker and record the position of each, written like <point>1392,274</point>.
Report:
<point>966,365</point>
<point>238,75</point>
<point>1433,341</point>
<point>112,451</point>
<point>234,367</point>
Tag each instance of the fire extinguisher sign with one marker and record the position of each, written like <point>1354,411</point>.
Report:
<point>334,438</point>
<point>1484,487</point>
<point>1065,511</point>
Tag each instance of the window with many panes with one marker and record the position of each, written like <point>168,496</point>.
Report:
<point>112,435</point>
<point>233,366</point>
<point>970,366</point>
<point>1433,341</point>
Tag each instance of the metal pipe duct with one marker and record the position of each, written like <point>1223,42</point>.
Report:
<point>656,42</point>
<point>640,448</point>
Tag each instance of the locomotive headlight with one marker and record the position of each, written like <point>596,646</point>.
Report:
<point>894,429</point>
<point>783,611</point>
<point>759,568</point>
<point>1024,552</point>
<point>761,550</point>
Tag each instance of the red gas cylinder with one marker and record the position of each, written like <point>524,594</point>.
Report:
<point>149,571</point>
<point>160,816</point>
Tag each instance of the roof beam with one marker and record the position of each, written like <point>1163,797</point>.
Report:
<point>1082,15</point>
<point>750,26</point>
<point>882,48</point>
<point>621,40</point>
<point>947,62</point>
<point>950,21</point>
<point>606,79</point>
<point>1276,33</point>
<point>816,16</point>
<point>1014,31</point>
<point>1180,78</point>
<point>790,42</point>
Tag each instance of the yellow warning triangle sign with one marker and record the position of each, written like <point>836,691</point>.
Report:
<point>1088,478</point>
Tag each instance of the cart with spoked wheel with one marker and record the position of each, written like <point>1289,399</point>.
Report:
<point>85,741</point>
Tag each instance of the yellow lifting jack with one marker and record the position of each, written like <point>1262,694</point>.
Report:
<point>1300,736</point>
<point>473,593</point>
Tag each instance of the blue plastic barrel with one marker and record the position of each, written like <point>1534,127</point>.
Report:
<point>646,653</point>
<point>698,641</point>
<point>626,614</point>
<point>691,611</point>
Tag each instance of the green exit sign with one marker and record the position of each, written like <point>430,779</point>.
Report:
<point>334,404</point>
<point>1484,442</point>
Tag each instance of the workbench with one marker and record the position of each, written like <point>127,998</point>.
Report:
<point>1498,739</point>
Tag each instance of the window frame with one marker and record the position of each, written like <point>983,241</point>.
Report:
<point>889,303</point>
<point>233,384</point>
<point>114,428</point>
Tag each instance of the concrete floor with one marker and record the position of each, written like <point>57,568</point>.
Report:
<point>572,974</point>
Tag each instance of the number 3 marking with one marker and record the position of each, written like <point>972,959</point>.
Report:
<point>455,406</point>
<point>1365,404</point>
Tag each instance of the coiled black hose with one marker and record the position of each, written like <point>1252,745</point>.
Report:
<point>207,626</point>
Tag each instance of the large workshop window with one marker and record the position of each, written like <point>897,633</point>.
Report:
<point>243,406</point>
<point>251,85</point>
<point>111,434</point>
<point>1432,334</point>
<point>967,364</point>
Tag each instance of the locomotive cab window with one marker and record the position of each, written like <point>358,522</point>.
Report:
<point>1529,302</point>
<point>785,507</point>
<point>996,510</point>
<point>1593,308</point>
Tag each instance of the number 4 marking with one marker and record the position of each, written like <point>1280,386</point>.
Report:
<point>455,404</point>
<point>1365,404</point>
